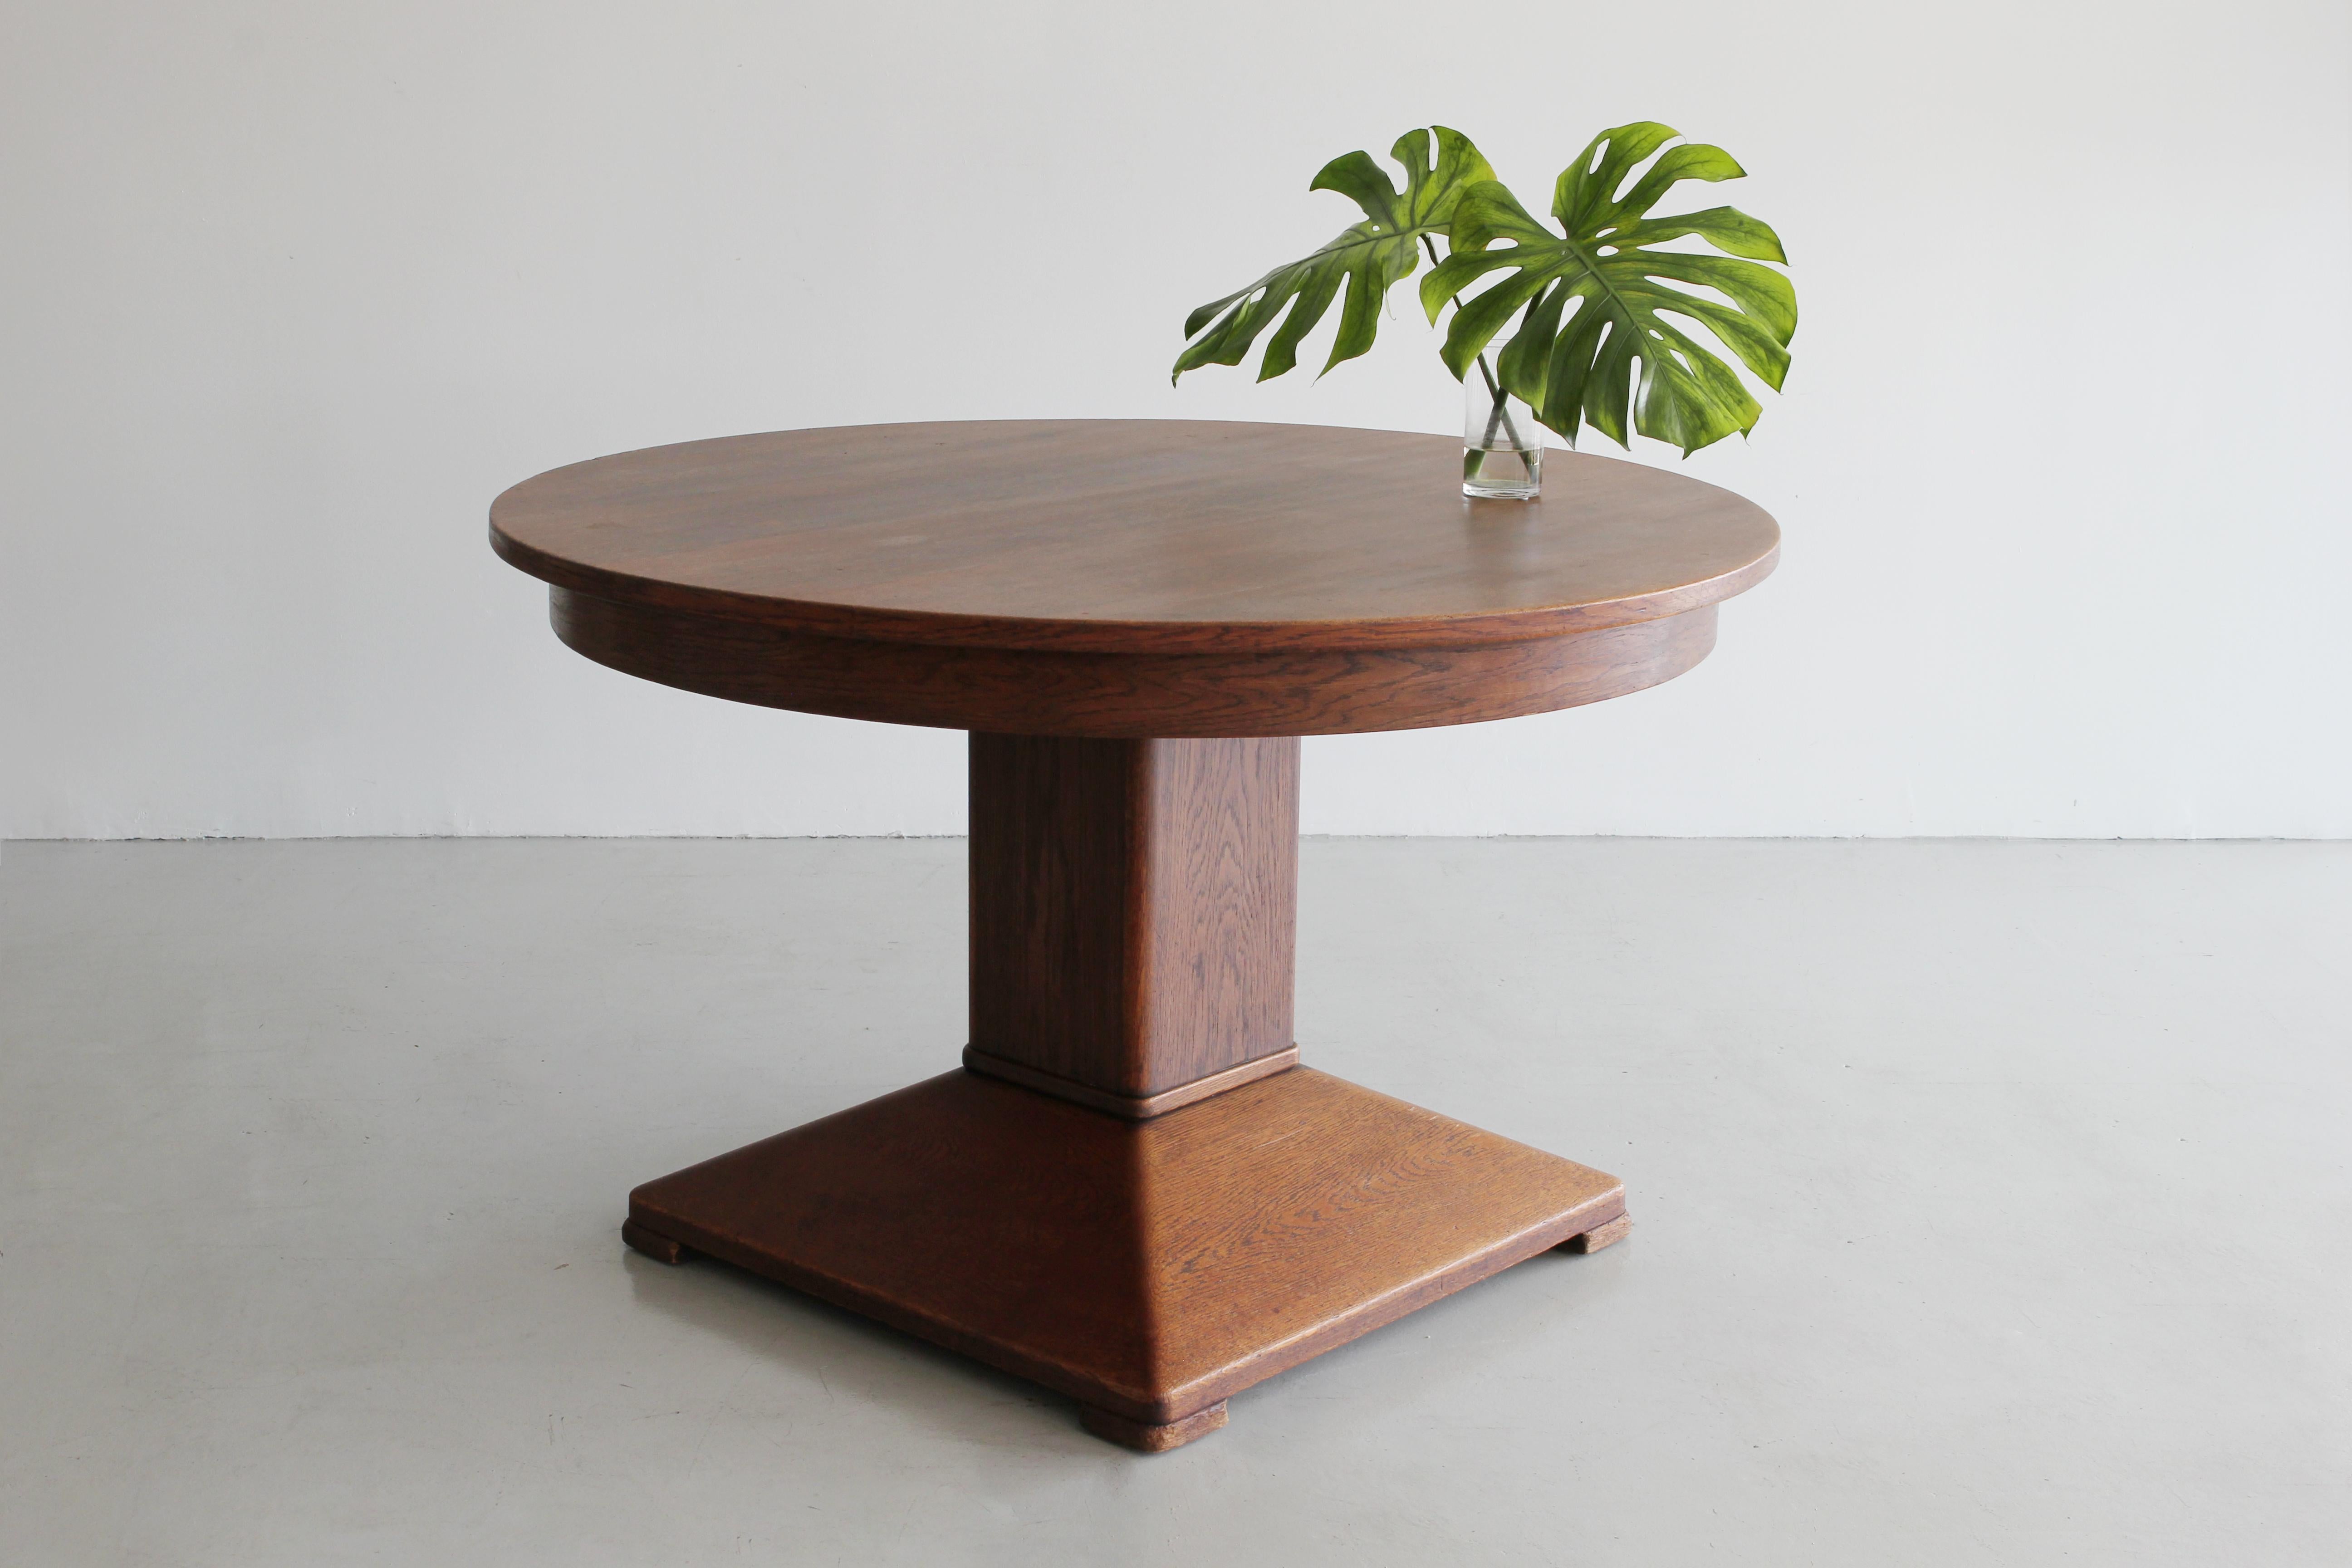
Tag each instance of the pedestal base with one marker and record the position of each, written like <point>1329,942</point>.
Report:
<point>1147,1268</point>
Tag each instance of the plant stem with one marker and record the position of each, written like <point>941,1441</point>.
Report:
<point>1500,418</point>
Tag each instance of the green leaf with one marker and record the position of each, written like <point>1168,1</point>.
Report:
<point>1365,258</point>
<point>1592,298</point>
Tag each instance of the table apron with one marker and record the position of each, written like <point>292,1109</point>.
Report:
<point>1035,691</point>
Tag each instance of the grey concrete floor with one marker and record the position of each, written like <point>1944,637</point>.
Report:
<point>1992,1205</point>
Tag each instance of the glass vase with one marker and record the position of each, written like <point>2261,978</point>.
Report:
<point>1502,445</point>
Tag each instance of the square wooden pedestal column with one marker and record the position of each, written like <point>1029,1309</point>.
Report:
<point>1134,1196</point>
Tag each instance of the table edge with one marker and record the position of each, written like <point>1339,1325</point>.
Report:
<point>1093,634</point>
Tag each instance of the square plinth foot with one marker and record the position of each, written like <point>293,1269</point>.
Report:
<point>1599,1235</point>
<point>1146,1438</point>
<point>653,1244</point>
<point>1149,1269</point>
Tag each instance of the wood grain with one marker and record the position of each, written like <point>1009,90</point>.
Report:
<point>1149,1268</point>
<point>1180,696</point>
<point>1130,537</point>
<point>1134,1107</point>
<point>1134,906</point>
<point>1137,618</point>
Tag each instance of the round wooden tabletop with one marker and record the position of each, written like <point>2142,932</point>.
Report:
<point>1129,577</point>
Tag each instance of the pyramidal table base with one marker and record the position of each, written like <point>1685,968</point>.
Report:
<point>1147,1268</point>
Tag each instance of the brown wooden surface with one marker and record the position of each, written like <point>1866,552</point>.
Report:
<point>660,1249</point>
<point>1172,602</point>
<point>1131,695</point>
<point>1130,579</point>
<point>1152,1438</point>
<point>1601,1235</point>
<point>1130,536</point>
<point>1149,1268</point>
<point>1134,1107</point>
<point>1134,906</point>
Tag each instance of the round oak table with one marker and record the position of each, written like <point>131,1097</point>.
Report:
<point>1132,1192</point>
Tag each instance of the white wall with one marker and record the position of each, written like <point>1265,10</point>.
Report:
<point>289,292</point>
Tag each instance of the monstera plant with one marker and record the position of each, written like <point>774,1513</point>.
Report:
<point>1582,303</point>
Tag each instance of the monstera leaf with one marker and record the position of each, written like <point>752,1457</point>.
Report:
<point>1577,365</point>
<point>1367,258</point>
